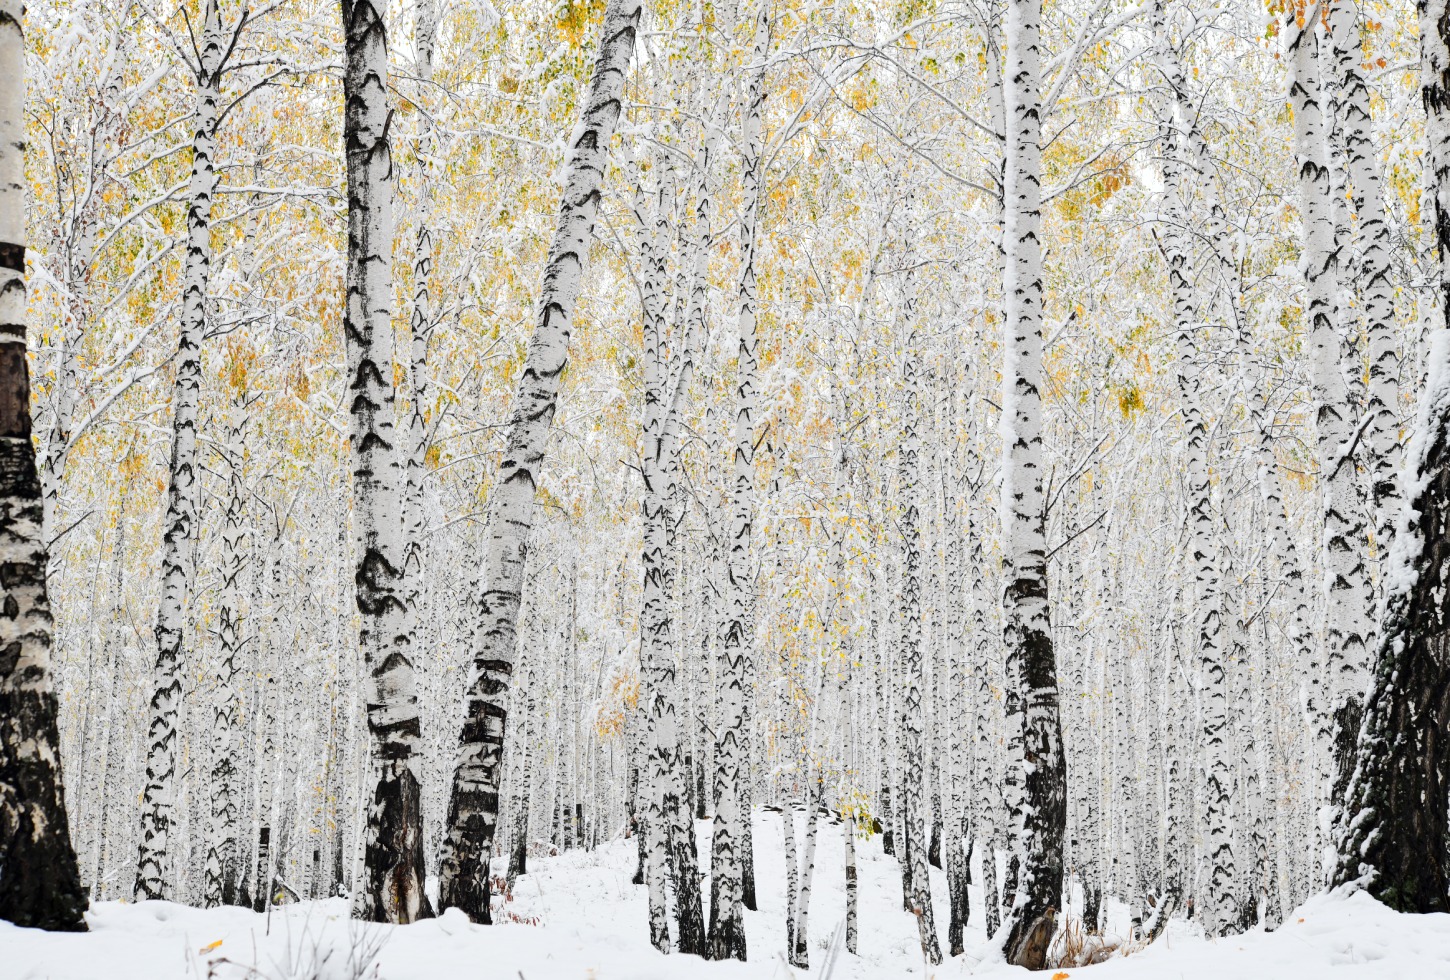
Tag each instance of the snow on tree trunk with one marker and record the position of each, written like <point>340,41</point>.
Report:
<point>918,891</point>
<point>420,324</point>
<point>40,885</point>
<point>473,801</point>
<point>1394,822</point>
<point>1208,603</point>
<point>223,867</point>
<point>1039,818</point>
<point>392,885</point>
<point>1348,631</point>
<point>181,524</point>
<point>727,922</point>
<point>1372,254</point>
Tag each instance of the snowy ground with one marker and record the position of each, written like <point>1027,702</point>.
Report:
<point>583,920</point>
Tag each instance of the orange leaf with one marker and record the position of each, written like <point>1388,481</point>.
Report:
<point>211,946</point>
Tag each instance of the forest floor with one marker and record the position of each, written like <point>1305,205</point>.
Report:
<point>579,918</point>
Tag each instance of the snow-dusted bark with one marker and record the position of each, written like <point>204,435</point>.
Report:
<point>223,867</point>
<point>727,924</point>
<point>392,885</point>
<point>40,882</point>
<point>1208,603</point>
<point>1039,819</point>
<point>1396,812</point>
<point>420,321</point>
<point>1349,601</point>
<point>918,893</point>
<point>180,528</point>
<point>473,802</point>
<point>667,379</point>
<point>1197,161</point>
<point>1394,824</point>
<point>955,717</point>
<point>986,790</point>
<point>1372,264</point>
<point>800,870</point>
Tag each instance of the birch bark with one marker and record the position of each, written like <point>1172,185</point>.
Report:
<point>1039,820</point>
<point>918,891</point>
<point>1348,631</point>
<point>392,885</point>
<point>727,923</point>
<point>181,528</point>
<point>473,802</point>
<point>1395,817</point>
<point>40,882</point>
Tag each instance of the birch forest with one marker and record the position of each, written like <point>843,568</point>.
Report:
<point>992,454</point>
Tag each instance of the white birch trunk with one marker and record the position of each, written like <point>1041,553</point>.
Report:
<point>473,802</point>
<point>1372,255</point>
<point>181,528</point>
<point>392,886</point>
<point>918,892</point>
<point>1039,819</point>
<point>1348,630</point>
<point>727,924</point>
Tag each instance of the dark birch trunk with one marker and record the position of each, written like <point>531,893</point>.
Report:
<point>40,884</point>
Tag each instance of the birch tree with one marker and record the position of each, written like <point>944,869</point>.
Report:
<point>473,801</point>
<point>727,924</point>
<point>1348,630</point>
<point>392,885</point>
<point>1395,816</point>
<point>1040,817</point>
<point>158,800</point>
<point>40,882</point>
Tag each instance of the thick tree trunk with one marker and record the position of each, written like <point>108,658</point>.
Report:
<point>1349,628</point>
<point>40,882</point>
<point>181,528</point>
<point>392,886</point>
<point>473,801</point>
<point>1394,824</point>
<point>1372,253</point>
<point>1040,819</point>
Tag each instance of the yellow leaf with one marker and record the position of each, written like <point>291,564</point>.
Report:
<point>209,947</point>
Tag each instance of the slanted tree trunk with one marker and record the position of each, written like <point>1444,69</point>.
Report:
<point>1394,823</point>
<point>40,884</point>
<point>1040,819</point>
<point>473,801</point>
<point>392,885</point>
<point>179,536</point>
